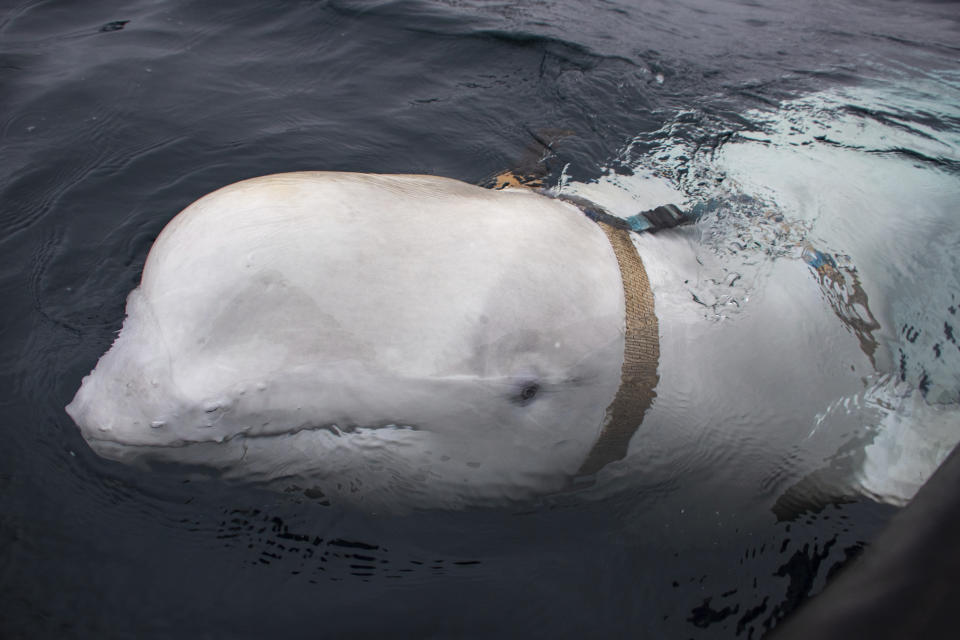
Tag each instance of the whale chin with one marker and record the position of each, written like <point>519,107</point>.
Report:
<point>383,469</point>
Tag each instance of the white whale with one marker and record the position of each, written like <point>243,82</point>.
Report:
<point>406,337</point>
<point>412,341</point>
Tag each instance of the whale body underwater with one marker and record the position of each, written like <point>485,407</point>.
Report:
<point>399,339</point>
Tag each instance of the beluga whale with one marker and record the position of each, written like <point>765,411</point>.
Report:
<point>408,341</point>
<point>401,339</point>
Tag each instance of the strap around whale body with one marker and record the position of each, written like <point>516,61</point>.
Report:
<point>666,216</point>
<point>641,357</point>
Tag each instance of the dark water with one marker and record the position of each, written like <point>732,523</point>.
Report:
<point>116,117</point>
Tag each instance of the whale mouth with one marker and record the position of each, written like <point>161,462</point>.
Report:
<point>101,444</point>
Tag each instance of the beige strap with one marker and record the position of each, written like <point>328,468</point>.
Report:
<point>641,356</point>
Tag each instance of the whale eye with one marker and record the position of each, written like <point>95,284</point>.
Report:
<point>527,390</point>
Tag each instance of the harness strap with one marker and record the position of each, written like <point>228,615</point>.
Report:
<point>641,356</point>
<point>665,216</point>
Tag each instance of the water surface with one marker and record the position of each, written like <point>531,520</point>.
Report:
<point>794,124</point>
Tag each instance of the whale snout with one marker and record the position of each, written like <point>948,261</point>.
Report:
<point>105,415</point>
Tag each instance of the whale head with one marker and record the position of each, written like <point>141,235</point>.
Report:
<point>405,338</point>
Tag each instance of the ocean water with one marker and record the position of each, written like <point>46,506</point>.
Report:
<point>806,132</point>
